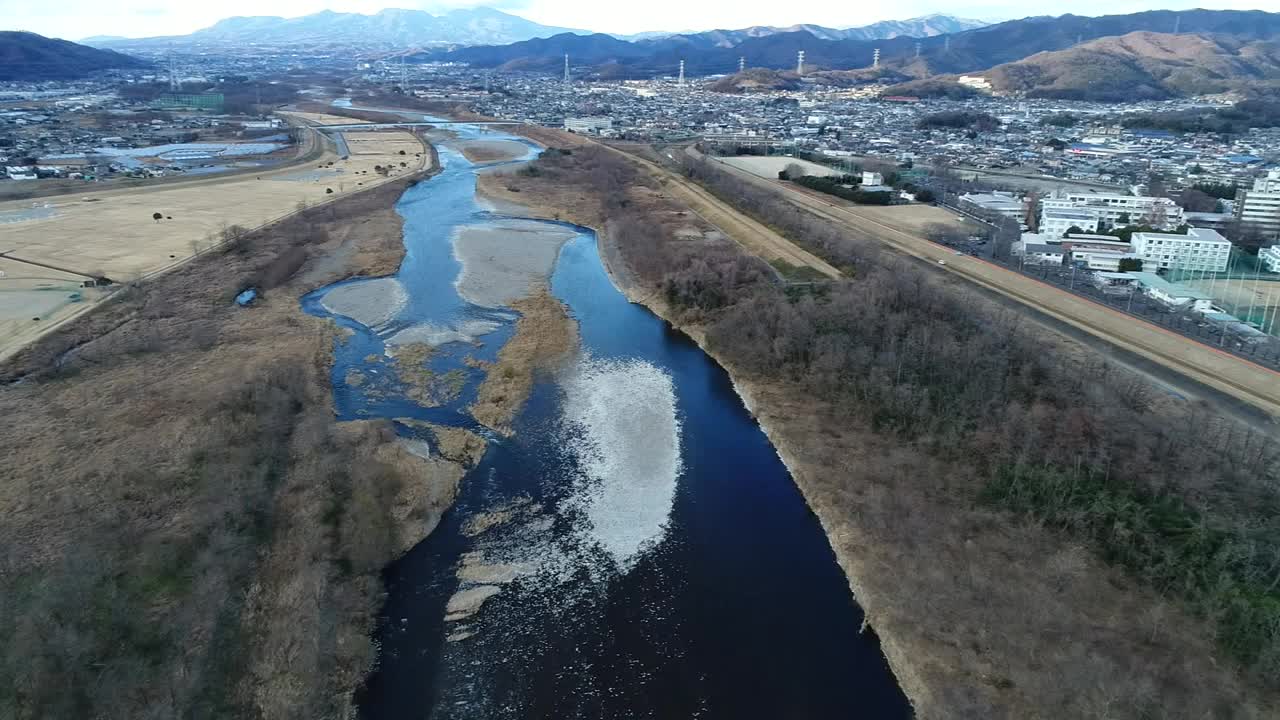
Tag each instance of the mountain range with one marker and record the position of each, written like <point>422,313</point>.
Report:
<point>387,29</point>
<point>1052,56</point>
<point>925,26</point>
<point>26,56</point>
<point>400,29</point>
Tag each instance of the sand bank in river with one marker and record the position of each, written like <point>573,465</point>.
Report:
<point>372,303</point>
<point>503,261</point>
<point>484,151</point>
<point>545,337</point>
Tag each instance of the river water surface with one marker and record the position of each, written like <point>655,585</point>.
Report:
<point>639,548</point>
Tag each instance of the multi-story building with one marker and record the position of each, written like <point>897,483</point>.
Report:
<point>1259,208</point>
<point>1200,249</point>
<point>588,124</point>
<point>995,203</point>
<point>1119,210</point>
<point>1270,258</point>
<point>1056,223</point>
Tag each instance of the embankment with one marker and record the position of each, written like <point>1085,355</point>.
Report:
<point>180,506</point>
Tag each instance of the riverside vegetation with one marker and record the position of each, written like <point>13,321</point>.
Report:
<point>186,531</point>
<point>1033,531</point>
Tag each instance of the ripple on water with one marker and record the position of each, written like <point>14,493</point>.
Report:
<point>625,432</point>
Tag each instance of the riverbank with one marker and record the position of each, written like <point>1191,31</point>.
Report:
<point>181,506</point>
<point>980,614</point>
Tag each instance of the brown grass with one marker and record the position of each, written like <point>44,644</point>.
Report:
<point>185,529</point>
<point>544,338</point>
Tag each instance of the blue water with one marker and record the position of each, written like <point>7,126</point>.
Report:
<point>730,606</point>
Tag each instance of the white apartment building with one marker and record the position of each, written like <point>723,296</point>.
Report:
<point>1199,249</point>
<point>1270,258</point>
<point>1056,223</point>
<point>1261,207</point>
<point>588,124</point>
<point>1114,209</point>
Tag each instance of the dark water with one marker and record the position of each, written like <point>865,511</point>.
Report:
<point>660,561</point>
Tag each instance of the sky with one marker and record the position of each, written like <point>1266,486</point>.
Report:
<point>77,19</point>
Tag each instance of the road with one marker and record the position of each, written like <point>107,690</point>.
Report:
<point>1206,365</point>
<point>757,238</point>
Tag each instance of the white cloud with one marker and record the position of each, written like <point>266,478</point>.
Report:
<point>74,19</point>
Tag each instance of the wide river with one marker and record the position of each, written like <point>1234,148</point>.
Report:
<point>641,549</point>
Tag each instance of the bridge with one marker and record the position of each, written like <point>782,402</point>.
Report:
<point>385,126</point>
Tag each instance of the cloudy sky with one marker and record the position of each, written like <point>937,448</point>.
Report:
<point>76,19</point>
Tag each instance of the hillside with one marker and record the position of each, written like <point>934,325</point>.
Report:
<point>755,80</point>
<point>26,56</point>
<point>1142,65</point>
<point>966,51</point>
<point>390,28</point>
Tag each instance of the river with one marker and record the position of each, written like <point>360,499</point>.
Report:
<point>637,548</point>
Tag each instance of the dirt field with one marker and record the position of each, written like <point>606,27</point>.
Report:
<point>1227,373</point>
<point>113,233</point>
<point>769,167</point>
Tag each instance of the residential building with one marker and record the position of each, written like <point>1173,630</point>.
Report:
<point>1120,210</point>
<point>1056,223</point>
<point>1259,208</point>
<point>1200,249</point>
<point>1270,258</point>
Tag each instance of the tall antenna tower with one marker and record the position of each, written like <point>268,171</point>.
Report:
<point>681,81</point>
<point>875,58</point>
<point>566,68</point>
<point>742,64</point>
<point>800,63</point>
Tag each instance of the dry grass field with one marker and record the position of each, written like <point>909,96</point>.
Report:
<point>114,233</point>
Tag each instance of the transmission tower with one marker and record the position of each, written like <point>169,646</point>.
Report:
<point>946,43</point>
<point>1177,23</point>
<point>566,68</point>
<point>680,82</point>
<point>742,65</point>
<point>875,58</point>
<point>800,63</point>
<point>404,75</point>
<point>173,72</point>
<point>917,49</point>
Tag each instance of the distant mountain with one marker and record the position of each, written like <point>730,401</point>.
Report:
<point>965,51</point>
<point>388,29</point>
<point>1142,66</point>
<point>926,26</point>
<point>26,56</point>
